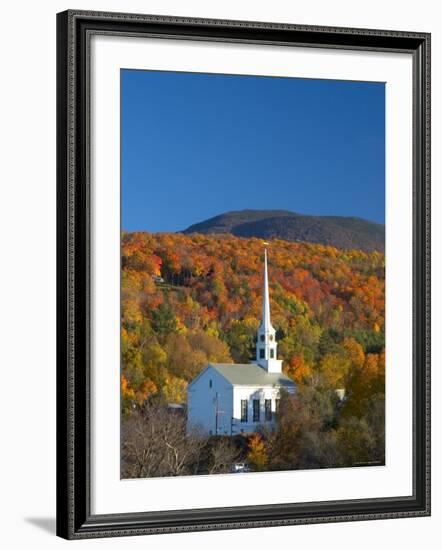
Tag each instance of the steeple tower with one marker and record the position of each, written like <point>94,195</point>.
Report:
<point>266,338</point>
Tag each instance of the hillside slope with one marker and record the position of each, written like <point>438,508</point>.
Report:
<point>340,232</point>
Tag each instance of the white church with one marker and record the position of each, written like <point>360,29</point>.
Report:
<point>230,399</point>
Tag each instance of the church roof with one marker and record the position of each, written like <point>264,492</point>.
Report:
<point>251,374</point>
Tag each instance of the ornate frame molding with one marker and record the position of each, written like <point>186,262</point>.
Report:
<point>74,29</point>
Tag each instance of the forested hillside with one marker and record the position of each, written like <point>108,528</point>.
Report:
<point>190,299</point>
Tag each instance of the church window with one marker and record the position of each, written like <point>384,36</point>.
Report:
<point>262,337</point>
<point>271,337</point>
<point>268,410</point>
<point>210,383</point>
<point>272,353</point>
<point>277,406</point>
<point>243,410</point>
<point>256,410</point>
<point>262,353</point>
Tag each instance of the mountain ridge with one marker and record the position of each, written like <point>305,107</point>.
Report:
<point>339,231</point>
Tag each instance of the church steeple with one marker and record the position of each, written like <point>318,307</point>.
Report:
<point>265,297</point>
<point>266,338</point>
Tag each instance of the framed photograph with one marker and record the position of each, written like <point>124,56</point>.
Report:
<point>243,274</point>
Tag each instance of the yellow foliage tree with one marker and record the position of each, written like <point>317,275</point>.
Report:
<point>334,368</point>
<point>174,389</point>
<point>147,389</point>
<point>257,455</point>
<point>355,352</point>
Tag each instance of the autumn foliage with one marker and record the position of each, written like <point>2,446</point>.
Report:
<point>191,299</point>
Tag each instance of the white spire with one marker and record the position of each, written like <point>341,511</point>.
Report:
<point>266,338</point>
<point>265,322</point>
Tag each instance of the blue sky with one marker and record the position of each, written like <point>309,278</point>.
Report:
<point>197,145</point>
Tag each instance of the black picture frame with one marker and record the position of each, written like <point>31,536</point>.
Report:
<point>74,518</point>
